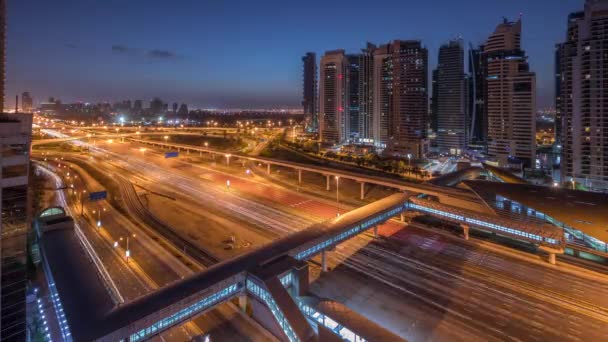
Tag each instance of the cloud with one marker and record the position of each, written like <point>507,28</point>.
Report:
<point>154,53</point>
<point>123,49</point>
<point>161,54</point>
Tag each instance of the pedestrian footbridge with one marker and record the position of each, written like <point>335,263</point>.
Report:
<point>270,281</point>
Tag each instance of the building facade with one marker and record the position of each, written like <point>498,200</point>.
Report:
<point>353,97</point>
<point>382,96</point>
<point>408,124</point>
<point>366,92</point>
<point>449,99</point>
<point>511,98</point>
<point>27,102</point>
<point>15,139</point>
<point>309,94</point>
<point>332,97</point>
<point>583,97</point>
<point>477,93</point>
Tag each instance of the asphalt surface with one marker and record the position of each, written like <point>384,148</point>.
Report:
<point>417,283</point>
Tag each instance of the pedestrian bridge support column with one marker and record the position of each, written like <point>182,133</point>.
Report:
<point>465,231</point>
<point>552,252</point>
<point>327,182</point>
<point>243,302</point>
<point>268,168</point>
<point>362,191</point>
<point>402,218</point>
<point>300,176</point>
<point>375,232</point>
<point>324,261</point>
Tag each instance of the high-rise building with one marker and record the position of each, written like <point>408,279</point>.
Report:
<point>332,88</point>
<point>138,106</point>
<point>156,106</point>
<point>15,140</point>
<point>366,91</point>
<point>27,103</point>
<point>2,51</point>
<point>175,107</point>
<point>408,124</point>
<point>449,99</point>
<point>309,96</point>
<point>353,97</point>
<point>434,100</point>
<point>477,119</point>
<point>183,111</point>
<point>511,98</point>
<point>559,50</point>
<point>583,97</point>
<point>382,103</point>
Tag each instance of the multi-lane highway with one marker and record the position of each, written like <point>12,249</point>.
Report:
<point>418,283</point>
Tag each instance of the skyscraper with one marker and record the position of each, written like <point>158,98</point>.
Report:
<point>559,50</point>
<point>477,115</point>
<point>382,103</point>
<point>332,88</point>
<point>449,100</point>
<point>309,96</point>
<point>15,140</point>
<point>366,91</point>
<point>511,97</point>
<point>583,99</point>
<point>27,103</point>
<point>353,96</point>
<point>408,124</point>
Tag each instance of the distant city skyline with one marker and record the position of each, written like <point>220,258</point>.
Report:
<point>192,56</point>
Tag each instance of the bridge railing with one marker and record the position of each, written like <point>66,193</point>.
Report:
<point>534,234</point>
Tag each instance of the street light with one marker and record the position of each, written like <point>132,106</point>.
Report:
<point>228,159</point>
<point>338,193</point>
<point>228,184</point>
<point>206,144</point>
<point>166,137</point>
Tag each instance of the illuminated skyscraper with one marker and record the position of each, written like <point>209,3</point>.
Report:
<point>449,99</point>
<point>332,88</point>
<point>309,95</point>
<point>511,97</point>
<point>582,97</point>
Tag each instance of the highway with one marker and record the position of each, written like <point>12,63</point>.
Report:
<point>416,282</point>
<point>151,267</point>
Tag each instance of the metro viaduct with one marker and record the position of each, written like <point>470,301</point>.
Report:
<point>271,279</point>
<point>446,195</point>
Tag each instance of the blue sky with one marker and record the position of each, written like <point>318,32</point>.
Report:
<point>227,53</point>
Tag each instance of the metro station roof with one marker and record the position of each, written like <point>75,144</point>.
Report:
<point>581,210</point>
<point>85,300</point>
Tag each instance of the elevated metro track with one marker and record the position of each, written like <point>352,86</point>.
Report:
<point>446,195</point>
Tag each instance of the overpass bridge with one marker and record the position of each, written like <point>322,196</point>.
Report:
<point>271,279</point>
<point>453,196</point>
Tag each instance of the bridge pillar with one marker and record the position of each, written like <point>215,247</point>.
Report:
<point>323,261</point>
<point>362,191</point>
<point>327,182</point>
<point>268,168</point>
<point>375,232</point>
<point>243,302</point>
<point>200,153</point>
<point>552,258</point>
<point>402,218</point>
<point>465,231</point>
<point>300,176</point>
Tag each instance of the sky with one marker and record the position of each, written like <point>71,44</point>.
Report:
<point>239,54</point>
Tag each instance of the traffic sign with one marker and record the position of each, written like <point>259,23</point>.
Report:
<point>171,155</point>
<point>97,196</point>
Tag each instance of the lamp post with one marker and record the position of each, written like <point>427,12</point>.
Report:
<point>228,159</point>
<point>82,202</point>
<point>338,193</point>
